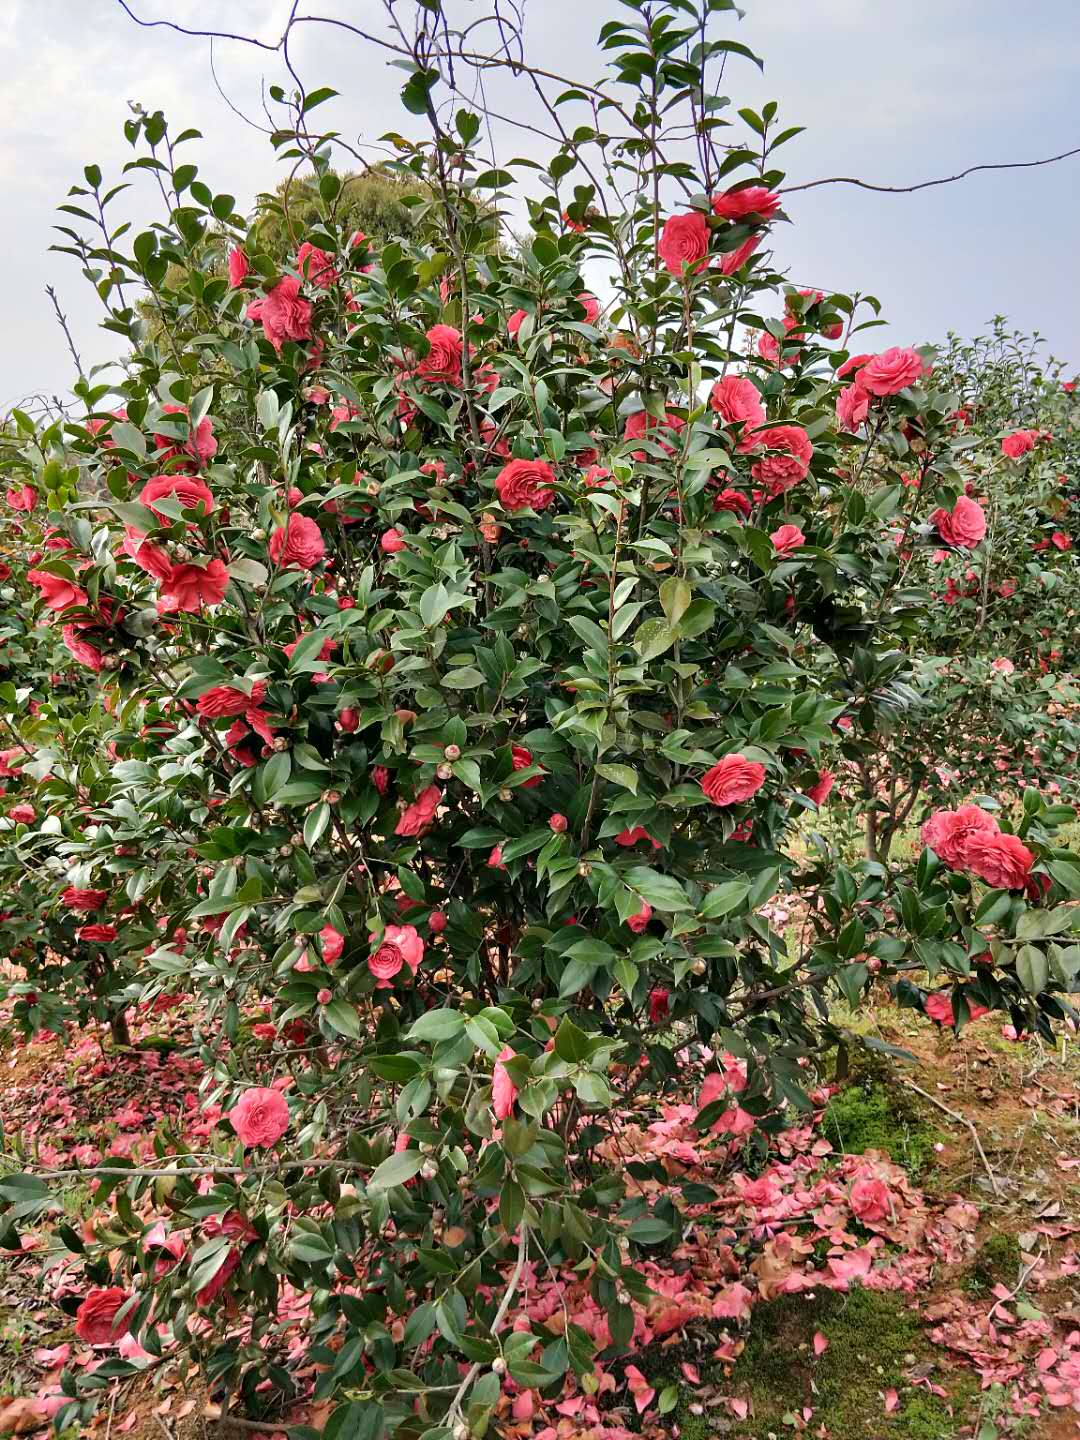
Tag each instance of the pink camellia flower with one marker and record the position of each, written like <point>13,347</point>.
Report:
<point>853,363</point>
<point>218,1281</point>
<point>733,780</point>
<point>820,790</point>
<point>1003,665</point>
<point>57,593</point>
<point>1019,443</point>
<point>495,860</point>
<point>514,324</point>
<point>787,539</point>
<point>964,526</point>
<point>871,1200</point>
<point>443,360</point>
<point>659,1004</point>
<point>641,423</point>
<point>260,1117</point>
<point>86,901</point>
<point>97,934</point>
<point>392,541</point>
<point>419,815</point>
<point>148,556</point>
<point>283,313</point>
<point>948,832</point>
<point>437,922</point>
<point>522,759</point>
<point>938,1005</point>
<point>316,266</point>
<point>298,544</point>
<point>626,838</point>
<point>21,497</point>
<point>733,502</point>
<point>852,407</point>
<point>747,202</point>
<point>638,922</point>
<point>200,445</point>
<point>503,1090</point>
<point>523,484</point>
<point>732,261</point>
<point>324,996</point>
<point>22,814</point>
<point>684,240</point>
<point>1002,861</point>
<point>891,371</point>
<point>332,942</point>
<point>95,1319</point>
<point>591,306</point>
<point>82,650</point>
<point>790,463</point>
<point>559,824</point>
<point>400,945</point>
<point>1060,540</point>
<point>768,349</point>
<point>239,266</point>
<point>734,1121</point>
<point>738,402</point>
<point>221,701</point>
<point>189,587</point>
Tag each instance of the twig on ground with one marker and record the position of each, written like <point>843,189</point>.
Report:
<point>968,1125</point>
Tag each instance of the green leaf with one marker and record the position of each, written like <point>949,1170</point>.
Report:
<point>653,638</point>
<point>1032,969</point>
<point>437,1025</point>
<point>675,597</point>
<point>620,775</point>
<point>395,1170</point>
<point>342,1017</point>
<point>663,892</point>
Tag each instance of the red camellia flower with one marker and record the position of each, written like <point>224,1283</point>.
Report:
<point>514,324</point>
<point>787,539</point>
<point>938,1005</point>
<point>57,593</point>
<point>733,502</point>
<point>333,943</point>
<point>659,1005</point>
<point>380,778</point>
<point>316,266</point>
<point>188,491</point>
<point>260,1117</point>
<point>283,314</point>
<point>559,824</point>
<point>733,780</point>
<point>1003,861</point>
<point>852,407</point>
<point>522,484</point>
<point>1060,540</point>
<point>747,202</point>
<point>200,445</point>
<point>298,544</point>
<point>239,266</point>
<point>419,815</point>
<point>891,371</point>
<point>638,922</point>
<point>392,541</point>
<point>789,464</point>
<point>400,945</point>
<point>443,360</point>
<point>732,260</point>
<point>737,401</point>
<point>22,814</point>
<point>948,831</point>
<point>822,787</point>
<point>522,759</point>
<point>187,588</point>
<point>21,497</point>
<point>591,306</point>
<point>86,901</point>
<point>95,1319</point>
<point>1019,443</point>
<point>853,363</point>
<point>871,1200</point>
<point>964,526</point>
<point>684,240</point>
<point>98,934</point>
<point>503,1090</point>
<point>641,423</point>
<point>224,700</point>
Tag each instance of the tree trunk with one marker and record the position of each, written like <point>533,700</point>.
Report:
<point>118,1029</point>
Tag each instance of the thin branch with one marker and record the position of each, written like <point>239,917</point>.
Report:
<point>929,184</point>
<point>62,318</point>
<point>500,1315</point>
<point>960,1120</point>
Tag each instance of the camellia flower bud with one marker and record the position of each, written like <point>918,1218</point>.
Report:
<point>324,996</point>
<point>584,869</point>
<point>498,1365</point>
<point>452,752</point>
<point>505,795</point>
<point>444,771</point>
<point>279,743</point>
<point>699,967</point>
<point>429,1170</point>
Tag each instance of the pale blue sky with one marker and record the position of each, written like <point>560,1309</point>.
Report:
<point>892,93</point>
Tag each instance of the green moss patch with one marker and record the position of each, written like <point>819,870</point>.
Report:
<point>870,1114</point>
<point>874,1340</point>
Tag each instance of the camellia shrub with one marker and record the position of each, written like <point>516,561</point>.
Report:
<point>450,663</point>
